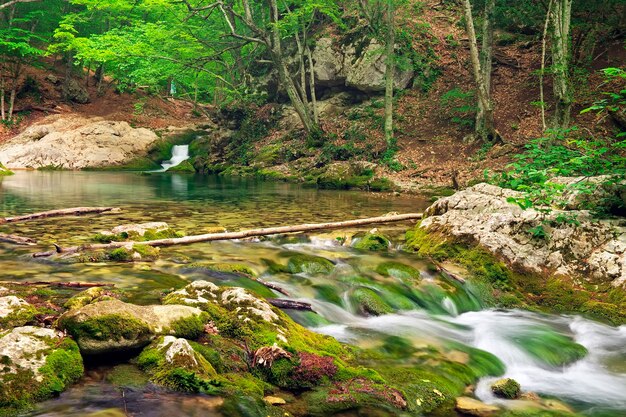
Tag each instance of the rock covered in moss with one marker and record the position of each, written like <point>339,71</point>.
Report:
<point>234,268</point>
<point>183,167</point>
<point>139,232</point>
<point>89,296</point>
<point>36,363</point>
<point>173,363</point>
<point>549,347</point>
<point>113,325</point>
<point>14,312</point>
<point>373,242</point>
<point>369,303</point>
<point>398,270</point>
<point>309,264</point>
<point>506,388</point>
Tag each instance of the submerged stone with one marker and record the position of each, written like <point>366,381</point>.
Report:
<point>398,270</point>
<point>368,302</point>
<point>113,325</point>
<point>309,264</point>
<point>550,348</point>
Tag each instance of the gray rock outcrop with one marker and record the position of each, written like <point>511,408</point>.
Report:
<point>592,249</point>
<point>76,143</point>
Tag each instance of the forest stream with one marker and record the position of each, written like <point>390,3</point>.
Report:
<point>578,362</point>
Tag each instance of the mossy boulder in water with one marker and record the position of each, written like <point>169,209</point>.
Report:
<point>113,325</point>
<point>140,232</point>
<point>234,268</point>
<point>89,296</point>
<point>309,264</point>
<point>506,388</point>
<point>36,364</point>
<point>369,303</point>
<point>549,347</point>
<point>14,311</point>
<point>398,270</point>
<point>372,242</point>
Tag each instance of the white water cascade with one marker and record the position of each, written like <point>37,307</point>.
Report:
<point>180,153</point>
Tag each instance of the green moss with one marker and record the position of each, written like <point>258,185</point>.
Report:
<point>4,171</point>
<point>549,347</point>
<point>372,242</point>
<point>368,302</point>
<point>63,367</point>
<point>235,268</point>
<point>106,327</point>
<point>127,376</point>
<point>270,155</point>
<point>309,264</point>
<point>88,296</point>
<point>190,327</point>
<point>183,167</point>
<point>19,390</point>
<point>150,234</point>
<point>275,267</point>
<point>19,317</point>
<point>506,388</point>
<point>121,255</point>
<point>147,252</point>
<point>328,293</point>
<point>398,270</point>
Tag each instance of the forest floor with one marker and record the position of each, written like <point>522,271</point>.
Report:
<point>433,145</point>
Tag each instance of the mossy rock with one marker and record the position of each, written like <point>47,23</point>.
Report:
<point>14,312</point>
<point>89,296</point>
<point>4,171</point>
<point>235,268</point>
<point>127,376</point>
<point>147,252</point>
<point>398,270</point>
<point>372,242</point>
<point>549,347</point>
<point>270,155</point>
<point>37,364</point>
<point>506,388</point>
<point>112,325</point>
<point>183,167</point>
<point>173,363</point>
<point>368,302</point>
<point>309,264</point>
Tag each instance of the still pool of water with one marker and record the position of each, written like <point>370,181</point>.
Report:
<point>433,311</point>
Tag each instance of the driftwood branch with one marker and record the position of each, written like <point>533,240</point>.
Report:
<point>74,211</point>
<point>60,284</point>
<point>17,240</point>
<point>289,304</point>
<point>240,235</point>
<point>272,286</point>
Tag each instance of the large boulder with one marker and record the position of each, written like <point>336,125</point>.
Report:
<point>74,92</point>
<point>112,325</point>
<point>37,363</point>
<point>71,142</point>
<point>331,62</point>
<point>587,247</point>
<point>367,72</point>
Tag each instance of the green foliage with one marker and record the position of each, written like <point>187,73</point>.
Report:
<point>373,242</point>
<point>460,106</point>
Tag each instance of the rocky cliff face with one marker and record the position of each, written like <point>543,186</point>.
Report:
<point>592,249</point>
<point>71,142</point>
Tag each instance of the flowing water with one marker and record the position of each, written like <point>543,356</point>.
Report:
<point>180,153</point>
<point>431,311</point>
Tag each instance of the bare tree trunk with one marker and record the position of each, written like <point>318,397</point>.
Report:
<point>11,103</point>
<point>2,93</point>
<point>485,128</point>
<point>389,72</point>
<point>316,115</point>
<point>561,51</point>
<point>75,211</point>
<point>542,101</point>
<point>484,116</point>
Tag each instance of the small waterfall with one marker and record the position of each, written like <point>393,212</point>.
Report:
<point>180,153</point>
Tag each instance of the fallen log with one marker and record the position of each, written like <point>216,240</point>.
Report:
<point>210,237</point>
<point>17,240</point>
<point>289,304</point>
<point>272,286</point>
<point>74,211</point>
<point>70,284</point>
